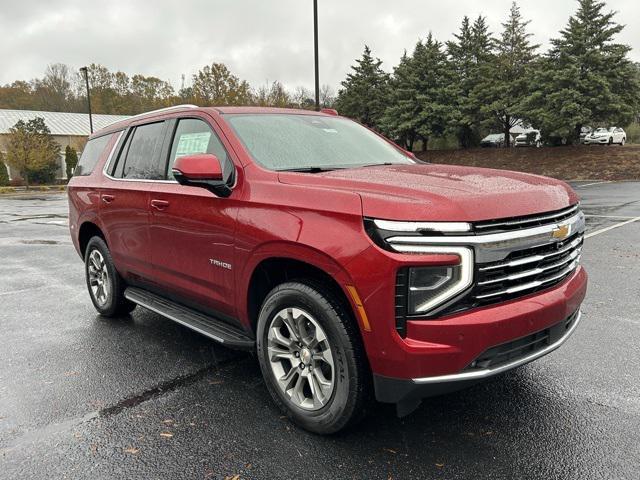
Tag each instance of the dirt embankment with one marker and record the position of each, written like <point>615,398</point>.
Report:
<point>566,163</point>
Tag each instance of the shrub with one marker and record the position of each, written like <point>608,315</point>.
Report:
<point>4,174</point>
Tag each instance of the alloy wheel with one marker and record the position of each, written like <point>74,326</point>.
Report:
<point>301,358</point>
<point>99,280</point>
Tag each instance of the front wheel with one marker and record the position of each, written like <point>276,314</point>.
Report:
<point>312,358</point>
<point>106,287</point>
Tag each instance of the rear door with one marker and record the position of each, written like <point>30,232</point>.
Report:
<point>192,230</point>
<point>125,198</point>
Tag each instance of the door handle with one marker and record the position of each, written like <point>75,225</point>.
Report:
<point>107,198</point>
<point>159,204</point>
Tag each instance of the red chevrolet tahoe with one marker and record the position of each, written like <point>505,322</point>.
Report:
<point>351,268</point>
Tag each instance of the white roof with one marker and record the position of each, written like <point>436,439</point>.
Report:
<point>60,123</point>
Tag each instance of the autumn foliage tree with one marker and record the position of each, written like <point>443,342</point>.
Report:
<point>32,151</point>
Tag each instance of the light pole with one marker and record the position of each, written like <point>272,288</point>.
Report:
<point>85,74</point>
<point>315,50</point>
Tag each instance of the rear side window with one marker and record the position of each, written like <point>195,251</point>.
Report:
<point>140,158</point>
<point>195,136</point>
<point>92,152</point>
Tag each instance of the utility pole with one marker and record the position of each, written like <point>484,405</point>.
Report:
<point>85,73</point>
<point>315,50</point>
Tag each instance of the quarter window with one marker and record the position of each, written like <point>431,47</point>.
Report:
<point>92,152</point>
<point>196,136</point>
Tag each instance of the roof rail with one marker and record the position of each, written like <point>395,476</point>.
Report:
<point>160,110</point>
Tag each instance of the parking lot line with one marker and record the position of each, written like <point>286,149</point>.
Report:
<point>617,225</point>
<point>593,183</point>
<point>610,216</point>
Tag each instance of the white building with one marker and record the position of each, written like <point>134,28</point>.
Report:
<point>66,128</point>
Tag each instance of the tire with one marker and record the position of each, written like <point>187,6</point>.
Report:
<point>610,141</point>
<point>290,370</point>
<point>623,141</point>
<point>105,285</point>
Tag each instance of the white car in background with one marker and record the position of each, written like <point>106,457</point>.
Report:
<point>531,138</point>
<point>606,136</point>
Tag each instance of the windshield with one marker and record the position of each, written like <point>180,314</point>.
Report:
<point>601,130</point>
<point>298,142</point>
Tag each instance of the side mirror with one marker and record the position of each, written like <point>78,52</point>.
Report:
<point>201,170</point>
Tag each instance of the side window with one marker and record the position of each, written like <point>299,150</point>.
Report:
<point>92,152</point>
<point>140,157</point>
<point>196,136</point>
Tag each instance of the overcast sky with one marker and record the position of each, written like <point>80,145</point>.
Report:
<point>260,40</point>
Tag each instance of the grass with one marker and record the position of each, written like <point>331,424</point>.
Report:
<point>34,188</point>
<point>566,163</point>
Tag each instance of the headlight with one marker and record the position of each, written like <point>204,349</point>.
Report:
<point>423,289</point>
<point>431,286</point>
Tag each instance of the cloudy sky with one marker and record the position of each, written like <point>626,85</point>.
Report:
<point>260,40</point>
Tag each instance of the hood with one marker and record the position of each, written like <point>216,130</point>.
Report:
<point>425,192</point>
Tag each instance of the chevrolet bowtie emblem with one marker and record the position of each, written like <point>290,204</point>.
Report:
<point>560,232</point>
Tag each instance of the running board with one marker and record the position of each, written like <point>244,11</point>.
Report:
<point>208,326</point>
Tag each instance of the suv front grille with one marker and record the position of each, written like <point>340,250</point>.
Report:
<point>526,271</point>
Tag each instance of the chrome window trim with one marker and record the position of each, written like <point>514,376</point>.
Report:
<point>107,164</point>
<point>489,372</point>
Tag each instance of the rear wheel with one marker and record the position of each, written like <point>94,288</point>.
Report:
<point>311,357</point>
<point>106,287</point>
<point>623,141</point>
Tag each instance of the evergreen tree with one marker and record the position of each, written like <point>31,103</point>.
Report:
<point>4,174</point>
<point>506,79</point>
<point>400,120</point>
<point>70,160</point>
<point>364,95</point>
<point>421,100</point>
<point>469,53</point>
<point>435,96</point>
<point>586,78</point>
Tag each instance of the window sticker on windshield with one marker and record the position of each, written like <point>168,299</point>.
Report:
<point>191,143</point>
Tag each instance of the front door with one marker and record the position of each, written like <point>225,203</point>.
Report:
<point>192,230</point>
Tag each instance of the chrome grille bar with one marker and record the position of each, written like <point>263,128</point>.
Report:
<point>524,221</point>
<point>536,271</point>
<point>534,258</point>
<point>531,285</point>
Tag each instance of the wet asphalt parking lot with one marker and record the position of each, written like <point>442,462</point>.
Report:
<point>142,397</point>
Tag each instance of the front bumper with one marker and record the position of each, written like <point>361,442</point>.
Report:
<point>599,140</point>
<point>395,390</point>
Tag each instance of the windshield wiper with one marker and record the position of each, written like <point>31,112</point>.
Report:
<point>310,169</point>
<point>385,164</point>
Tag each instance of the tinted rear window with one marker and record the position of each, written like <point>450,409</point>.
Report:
<point>92,152</point>
<point>140,157</point>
